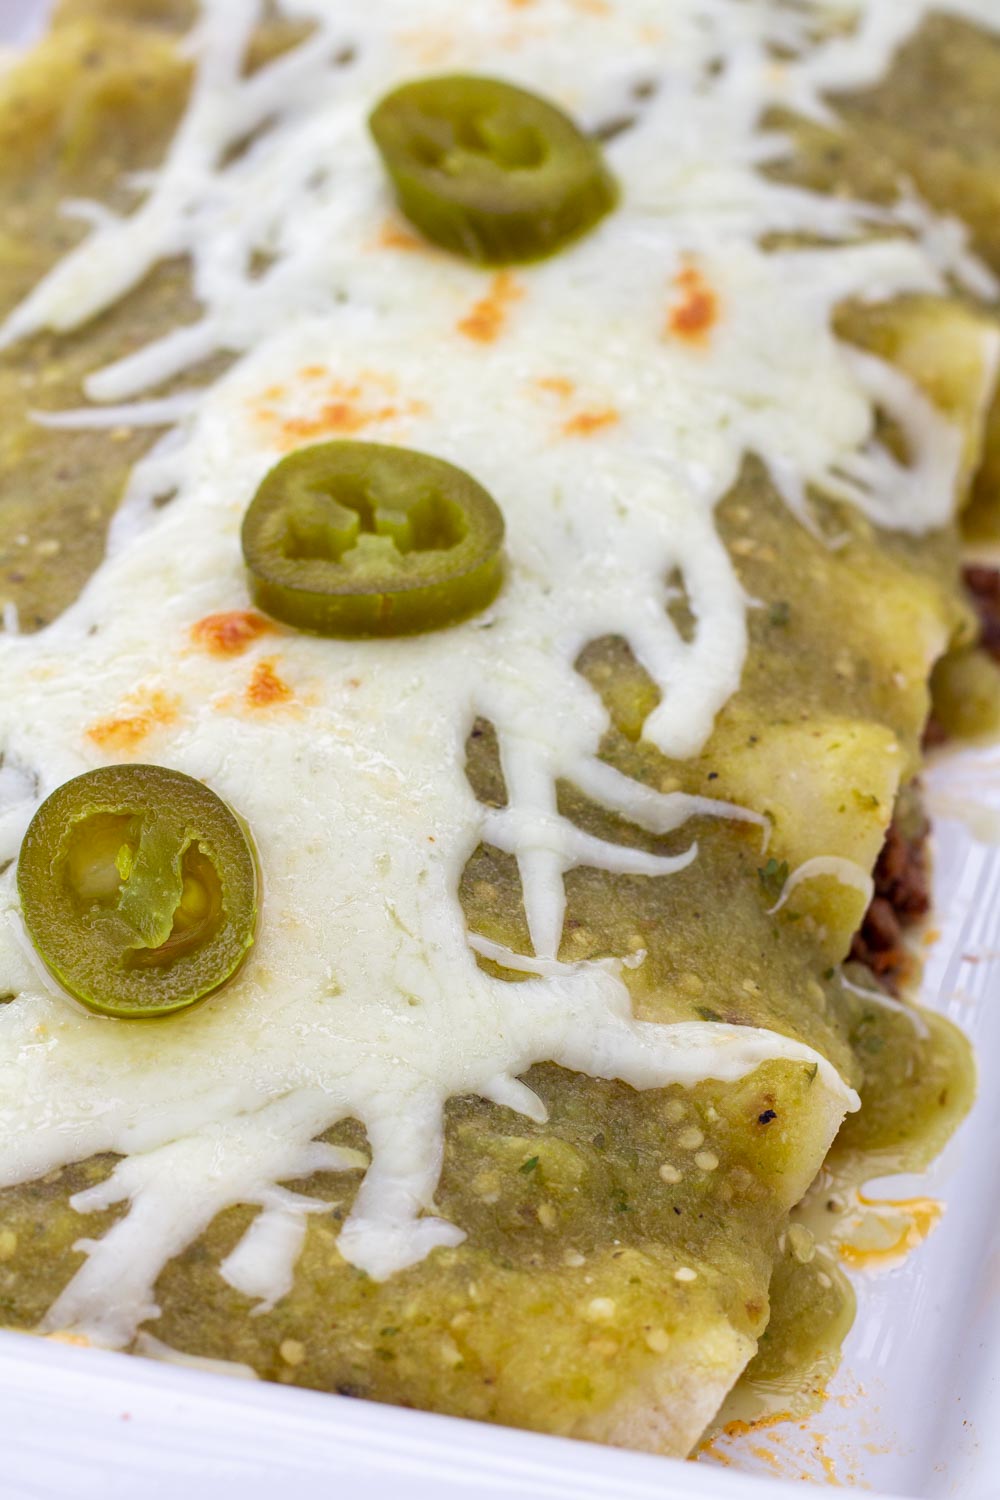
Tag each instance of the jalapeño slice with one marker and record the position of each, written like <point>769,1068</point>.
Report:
<point>488,170</point>
<point>139,889</point>
<point>362,539</point>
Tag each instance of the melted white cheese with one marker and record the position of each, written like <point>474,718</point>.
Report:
<point>830,867</point>
<point>605,440</point>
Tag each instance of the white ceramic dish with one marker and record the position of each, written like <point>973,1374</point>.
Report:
<point>914,1410</point>
<point>22,20</point>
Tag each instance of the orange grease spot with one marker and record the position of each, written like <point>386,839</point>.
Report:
<point>230,632</point>
<point>767,1456</point>
<point>339,417</point>
<point>77,1340</point>
<point>826,1462</point>
<point>695,308</point>
<point>126,732</point>
<point>795,1454</point>
<point>485,321</point>
<point>739,1428</point>
<point>717,1455</point>
<point>395,236</point>
<point>266,688</point>
<point>582,423</point>
<point>559,385</point>
<point>587,422</point>
<point>350,407</point>
<point>919,1216</point>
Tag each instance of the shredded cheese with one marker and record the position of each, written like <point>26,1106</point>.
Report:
<point>363,997</point>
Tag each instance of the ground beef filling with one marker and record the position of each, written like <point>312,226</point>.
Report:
<point>983,584</point>
<point>902,875</point>
<point>902,897</point>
